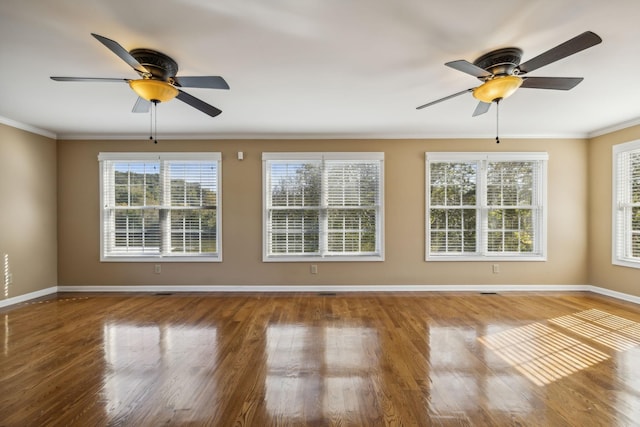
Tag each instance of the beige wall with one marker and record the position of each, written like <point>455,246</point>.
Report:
<point>30,180</point>
<point>601,271</point>
<point>242,229</point>
<point>28,237</point>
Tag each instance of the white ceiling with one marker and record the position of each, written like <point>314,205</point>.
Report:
<point>311,68</point>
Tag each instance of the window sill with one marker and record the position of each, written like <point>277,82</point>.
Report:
<point>626,263</point>
<point>328,258</point>
<point>158,259</point>
<point>537,258</point>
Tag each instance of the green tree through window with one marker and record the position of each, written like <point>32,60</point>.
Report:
<point>626,204</point>
<point>323,205</point>
<point>484,205</point>
<point>158,206</point>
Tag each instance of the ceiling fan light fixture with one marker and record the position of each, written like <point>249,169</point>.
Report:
<point>500,87</point>
<point>153,90</point>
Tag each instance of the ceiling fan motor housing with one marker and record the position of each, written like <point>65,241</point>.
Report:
<point>500,62</point>
<point>161,66</point>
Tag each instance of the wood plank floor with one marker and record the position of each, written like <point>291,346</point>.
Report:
<point>368,359</point>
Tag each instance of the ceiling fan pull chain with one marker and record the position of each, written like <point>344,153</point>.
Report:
<point>153,122</point>
<point>497,121</point>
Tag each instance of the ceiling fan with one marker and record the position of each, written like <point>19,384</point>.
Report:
<point>158,81</point>
<point>502,74</point>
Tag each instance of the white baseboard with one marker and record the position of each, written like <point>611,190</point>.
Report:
<point>320,288</point>
<point>27,297</point>
<point>615,294</point>
<point>330,288</point>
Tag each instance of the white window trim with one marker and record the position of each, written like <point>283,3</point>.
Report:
<point>275,156</point>
<point>482,156</point>
<point>123,156</point>
<point>616,257</point>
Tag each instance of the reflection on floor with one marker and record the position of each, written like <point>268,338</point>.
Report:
<point>366,359</point>
<point>545,354</point>
<point>612,331</point>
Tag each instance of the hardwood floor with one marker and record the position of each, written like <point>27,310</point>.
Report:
<point>368,359</point>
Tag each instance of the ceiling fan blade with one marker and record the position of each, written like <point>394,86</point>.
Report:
<point>575,45</point>
<point>481,108</point>
<point>87,79</point>
<point>467,67</point>
<point>557,83</point>
<point>444,99</point>
<point>116,48</point>
<point>198,104</point>
<point>207,82</point>
<point>141,106</point>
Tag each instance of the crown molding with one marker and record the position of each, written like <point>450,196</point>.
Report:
<point>309,136</point>
<point>26,127</point>
<point>313,136</point>
<point>614,128</point>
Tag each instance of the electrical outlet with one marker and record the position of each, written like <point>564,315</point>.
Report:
<point>495,268</point>
<point>157,269</point>
<point>314,269</point>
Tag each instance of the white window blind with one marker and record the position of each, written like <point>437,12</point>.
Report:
<point>486,206</point>
<point>626,204</point>
<point>323,206</point>
<point>160,206</point>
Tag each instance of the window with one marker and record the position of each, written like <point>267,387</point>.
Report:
<point>160,206</point>
<point>486,206</point>
<point>323,206</point>
<point>626,204</point>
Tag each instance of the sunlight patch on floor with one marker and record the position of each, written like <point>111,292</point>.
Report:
<point>544,354</point>
<point>612,331</point>
<point>541,353</point>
